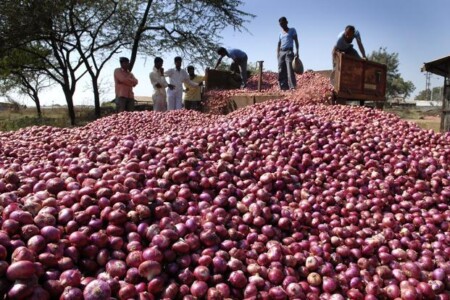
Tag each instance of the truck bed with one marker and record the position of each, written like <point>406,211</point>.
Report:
<point>357,79</point>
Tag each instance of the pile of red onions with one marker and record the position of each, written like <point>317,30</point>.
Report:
<point>278,200</point>
<point>312,88</point>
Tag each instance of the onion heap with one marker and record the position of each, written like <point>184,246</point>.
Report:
<point>279,200</point>
<point>312,88</point>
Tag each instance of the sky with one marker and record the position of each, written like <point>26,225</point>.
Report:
<point>418,30</point>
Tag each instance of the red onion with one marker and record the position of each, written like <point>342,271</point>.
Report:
<point>21,270</point>
<point>238,279</point>
<point>127,291</point>
<point>51,233</point>
<point>199,288</point>
<point>202,273</point>
<point>149,269</point>
<point>40,293</point>
<point>97,290</point>
<point>22,253</point>
<point>314,279</point>
<point>72,293</point>
<point>116,268</point>
<point>20,291</point>
<point>70,278</point>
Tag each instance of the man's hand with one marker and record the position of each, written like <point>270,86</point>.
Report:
<point>171,86</point>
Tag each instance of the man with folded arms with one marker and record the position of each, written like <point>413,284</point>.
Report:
<point>124,82</point>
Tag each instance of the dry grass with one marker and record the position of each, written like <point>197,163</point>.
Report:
<point>425,118</point>
<point>55,116</point>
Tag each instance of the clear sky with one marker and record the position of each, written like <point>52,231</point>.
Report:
<point>418,30</point>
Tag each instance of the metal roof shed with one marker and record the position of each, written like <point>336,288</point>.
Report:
<point>442,67</point>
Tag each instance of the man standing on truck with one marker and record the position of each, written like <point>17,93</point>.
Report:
<point>285,54</point>
<point>344,43</point>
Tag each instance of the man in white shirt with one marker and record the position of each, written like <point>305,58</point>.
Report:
<point>177,76</point>
<point>159,84</point>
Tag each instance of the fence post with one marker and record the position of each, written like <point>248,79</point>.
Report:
<point>260,64</point>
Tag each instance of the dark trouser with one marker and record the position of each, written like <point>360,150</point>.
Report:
<point>286,75</point>
<point>193,105</point>
<point>242,63</point>
<point>350,52</point>
<point>124,104</point>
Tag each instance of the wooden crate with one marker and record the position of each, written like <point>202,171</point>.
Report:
<point>239,101</point>
<point>357,79</point>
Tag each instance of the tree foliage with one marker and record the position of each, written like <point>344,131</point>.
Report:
<point>396,86</point>
<point>430,94</point>
<point>21,72</point>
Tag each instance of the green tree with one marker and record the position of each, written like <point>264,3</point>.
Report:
<point>430,94</point>
<point>396,86</point>
<point>189,28</point>
<point>21,73</point>
<point>49,41</point>
<point>251,67</point>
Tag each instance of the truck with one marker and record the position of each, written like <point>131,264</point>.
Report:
<point>356,79</point>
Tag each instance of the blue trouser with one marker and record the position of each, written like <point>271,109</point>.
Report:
<point>286,75</point>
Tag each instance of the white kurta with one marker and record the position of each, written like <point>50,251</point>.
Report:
<point>159,94</point>
<point>175,96</point>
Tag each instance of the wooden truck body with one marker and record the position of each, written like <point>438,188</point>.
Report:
<point>361,80</point>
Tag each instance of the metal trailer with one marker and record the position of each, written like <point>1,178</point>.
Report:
<point>441,67</point>
<point>360,80</point>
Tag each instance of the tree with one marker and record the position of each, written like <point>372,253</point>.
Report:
<point>396,86</point>
<point>433,94</point>
<point>46,37</point>
<point>189,28</point>
<point>92,24</point>
<point>21,73</point>
<point>227,66</point>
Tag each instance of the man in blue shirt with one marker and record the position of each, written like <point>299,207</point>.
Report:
<point>344,43</point>
<point>285,53</point>
<point>239,57</point>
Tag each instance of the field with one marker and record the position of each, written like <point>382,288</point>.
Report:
<point>55,116</point>
<point>427,118</point>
